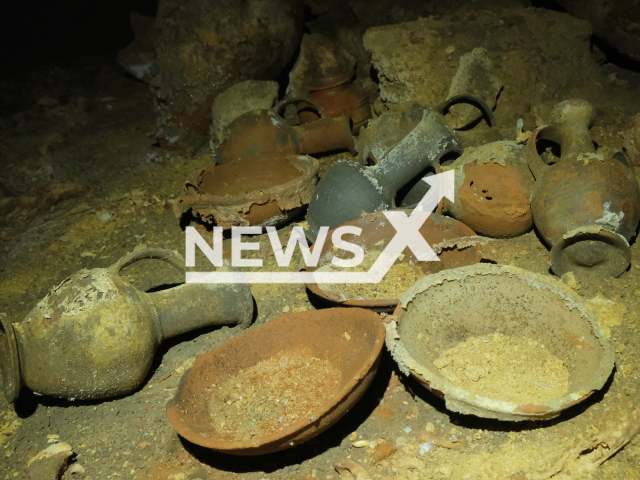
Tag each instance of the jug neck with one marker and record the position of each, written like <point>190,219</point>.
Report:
<point>192,306</point>
<point>423,147</point>
<point>575,117</point>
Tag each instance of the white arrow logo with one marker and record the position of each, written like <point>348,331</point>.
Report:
<point>407,235</point>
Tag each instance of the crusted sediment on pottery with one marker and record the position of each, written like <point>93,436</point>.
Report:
<point>592,229</point>
<point>460,400</point>
<point>228,211</point>
<point>460,243</point>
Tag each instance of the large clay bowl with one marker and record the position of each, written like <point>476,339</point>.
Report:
<point>453,305</point>
<point>350,339</point>
<point>376,233</point>
<point>261,191</point>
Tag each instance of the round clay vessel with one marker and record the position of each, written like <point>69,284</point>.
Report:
<point>264,133</point>
<point>376,233</point>
<point>493,190</point>
<point>484,299</point>
<point>586,206</point>
<point>94,335</point>
<point>266,191</point>
<point>349,339</point>
<point>336,96</point>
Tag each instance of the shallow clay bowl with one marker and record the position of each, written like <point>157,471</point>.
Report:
<point>260,191</point>
<point>376,233</point>
<point>350,339</point>
<point>450,306</point>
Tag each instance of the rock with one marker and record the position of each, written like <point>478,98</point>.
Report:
<point>536,53</point>
<point>204,47</point>
<point>475,76</point>
<point>632,141</point>
<point>240,98</point>
<point>615,21</point>
<point>138,58</point>
<point>50,463</point>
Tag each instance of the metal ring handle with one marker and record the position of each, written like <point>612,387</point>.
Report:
<point>477,102</point>
<point>171,257</point>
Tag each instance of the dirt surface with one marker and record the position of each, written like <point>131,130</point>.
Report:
<point>501,367</point>
<point>91,124</point>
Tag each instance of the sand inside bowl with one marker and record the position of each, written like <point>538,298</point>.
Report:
<point>246,176</point>
<point>400,277</point>
<point>272,395</point>
<point>509,368</point>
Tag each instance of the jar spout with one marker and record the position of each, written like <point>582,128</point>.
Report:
<point>196,305</point>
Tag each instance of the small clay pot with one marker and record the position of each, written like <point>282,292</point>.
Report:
<point>349,339</point>
<point>493,186</point>
<point>266,191</point>
<point>586,206</point>
<point>377,232</point>
<point>264,133</point>
<point>94,335</point>
<point>336,95</point>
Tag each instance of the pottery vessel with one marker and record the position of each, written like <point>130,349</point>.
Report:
<point>337,95</point>
<point>377,232</point>
<point>267,191</point>
<point>94,335</point>
<point>484,299</point>
<point>349,188</point>
<point>202,48</point>
<point>350,339</point>
<point>262,133</point>
<point>586,206</point>
<point>493,190</point>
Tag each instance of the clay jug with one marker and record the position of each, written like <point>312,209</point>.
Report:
<point>94,335</point>
<point>586,206</point>
<point>337,95</point>
<point>349,188</point>
<point>261,133</point>
<point>493,190</point>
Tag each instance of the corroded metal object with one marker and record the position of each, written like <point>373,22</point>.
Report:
<point>493,190</point>
<point>263,133</point>
<point>266,191</point>
<point>377,232</point>
<point>586,206</point>
<point>483,299</point>
<point>94,335</point>
<point>350,339</point>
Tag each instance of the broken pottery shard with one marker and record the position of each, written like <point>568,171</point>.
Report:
<point>240,98</point>
<point>476,76</point>
<point>50,463</point>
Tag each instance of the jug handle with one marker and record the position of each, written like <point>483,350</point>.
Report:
<point>477,102</point>
<point>171,257</point>
<point>549,132</point>
<point>284,103</point>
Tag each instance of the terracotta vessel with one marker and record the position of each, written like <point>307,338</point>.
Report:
<point>493,186</point>
<point>94,335</point>
<point>377,232</point>
<point>586,206</point>
<point>481,300</point>
<point>349,188</point>
<point>337,95</point>
<point>266,191</point>
<point>350,339</point>
<point>262,133</point>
